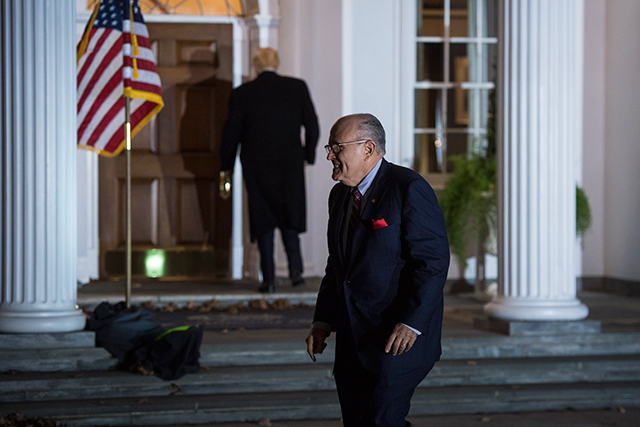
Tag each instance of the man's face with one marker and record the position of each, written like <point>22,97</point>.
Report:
<point>350,164</point>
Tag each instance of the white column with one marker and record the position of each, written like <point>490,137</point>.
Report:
<point>237,248</point>
<point>539,125</point>
<point>263,31</point>
<point>88,248</point>
<point>38,167</point>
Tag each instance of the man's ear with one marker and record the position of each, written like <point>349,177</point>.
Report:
<point>370,147</point>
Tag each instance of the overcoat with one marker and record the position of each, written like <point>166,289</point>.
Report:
<point>395,272</point>
<point>265,119</point>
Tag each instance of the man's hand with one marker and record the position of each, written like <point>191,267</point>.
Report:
<point>225,184</point>
<point>401,340</point>
<point>315,342</point>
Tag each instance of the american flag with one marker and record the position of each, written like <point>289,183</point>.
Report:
<point>114,60</point>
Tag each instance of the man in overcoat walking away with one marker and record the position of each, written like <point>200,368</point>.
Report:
<point>265,119</point>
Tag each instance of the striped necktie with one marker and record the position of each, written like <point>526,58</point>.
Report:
<point>354,219</point>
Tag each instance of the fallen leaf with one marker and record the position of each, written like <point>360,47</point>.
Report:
<point>261,304</point>
<point>147,304</point>
<point>281,304</point>
<point>169,308</point>
<point>471,363</point>
<point>265,422</point>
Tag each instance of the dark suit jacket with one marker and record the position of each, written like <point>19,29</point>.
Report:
<point>395,274</point>
<point>265,118</point>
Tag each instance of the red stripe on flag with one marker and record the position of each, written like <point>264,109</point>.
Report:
<point>141,113</point>
<point>113,83</point>
<point>116,108</point>
<point>142,40</point>
<point>144,87</point>
<point>92,55</point>
<point>112,53</point>
<point>142,64</point>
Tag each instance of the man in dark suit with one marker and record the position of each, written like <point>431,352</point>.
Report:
<point>382,289</point>
<point>265,118</point>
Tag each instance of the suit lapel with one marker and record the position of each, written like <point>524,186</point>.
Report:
<point>374,195</point>
<point>339,213</point>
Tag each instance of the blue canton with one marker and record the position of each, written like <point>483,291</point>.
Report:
<point>112,12</point>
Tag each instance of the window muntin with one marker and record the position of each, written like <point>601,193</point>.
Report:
<point>455,71</point>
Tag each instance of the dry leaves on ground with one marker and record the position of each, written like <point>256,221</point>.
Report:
<point>18,420</point>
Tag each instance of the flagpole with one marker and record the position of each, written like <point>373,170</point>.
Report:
<point>127,132</point>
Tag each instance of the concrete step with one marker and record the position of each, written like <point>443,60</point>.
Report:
<point>469,348</point>
<point>30,387</point>
<point>284,353</point>
<point>200,409</point>
<point>53,340</point>
<point>56,359</point>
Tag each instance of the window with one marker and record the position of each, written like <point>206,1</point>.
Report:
<point>456,51</point>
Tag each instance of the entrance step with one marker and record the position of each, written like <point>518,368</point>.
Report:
<point>283,353</point>
<point>200,409</point>
<point>30,387</point>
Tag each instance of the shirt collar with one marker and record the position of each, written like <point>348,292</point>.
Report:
<point>366,182</point>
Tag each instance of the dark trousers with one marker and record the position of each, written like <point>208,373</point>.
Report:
<point>292,248</point>
<point>372,399</point>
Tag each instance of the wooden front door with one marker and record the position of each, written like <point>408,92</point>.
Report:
<point>181,228</point>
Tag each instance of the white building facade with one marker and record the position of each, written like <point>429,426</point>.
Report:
<point>360,56</point>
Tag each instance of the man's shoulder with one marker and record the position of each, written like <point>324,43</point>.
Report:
<point>404,174</point>
<point>292,80</point>
<point>268,80</point>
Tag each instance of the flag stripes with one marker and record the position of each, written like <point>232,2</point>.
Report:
<point>107,72</point>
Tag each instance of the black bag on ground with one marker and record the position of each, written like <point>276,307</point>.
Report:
<point>121,330</point>
<point>135,337</point>
<point>176,352</point>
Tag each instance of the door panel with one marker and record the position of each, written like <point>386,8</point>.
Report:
<point>176,210</point>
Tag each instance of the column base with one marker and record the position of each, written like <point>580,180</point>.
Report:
<point>29,322</point>
<point>532,329</point>
<point>536,310</point>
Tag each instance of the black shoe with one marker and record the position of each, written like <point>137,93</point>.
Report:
<point>268,286</point>
<point>297,281</point>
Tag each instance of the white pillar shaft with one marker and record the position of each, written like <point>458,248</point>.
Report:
<point>539,132</point>
<point>237,248</point>
<point>38,167</point>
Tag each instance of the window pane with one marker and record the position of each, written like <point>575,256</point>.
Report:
<point>460,18</point>
<point>428,108</point>
<point>428,154</point>
<point>456,145</point>
<point>490,10</point>
<point>431,18</point>
<point>459,108</point>
<point>490,58</point>
<point>462,63</point>
<point>430,62</point>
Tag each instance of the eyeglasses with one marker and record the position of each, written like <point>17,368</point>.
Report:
<point>338,146</point>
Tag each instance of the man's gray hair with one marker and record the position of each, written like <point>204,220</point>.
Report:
<point>370,127</point>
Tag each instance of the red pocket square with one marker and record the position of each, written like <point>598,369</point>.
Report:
<point>379,223</point>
